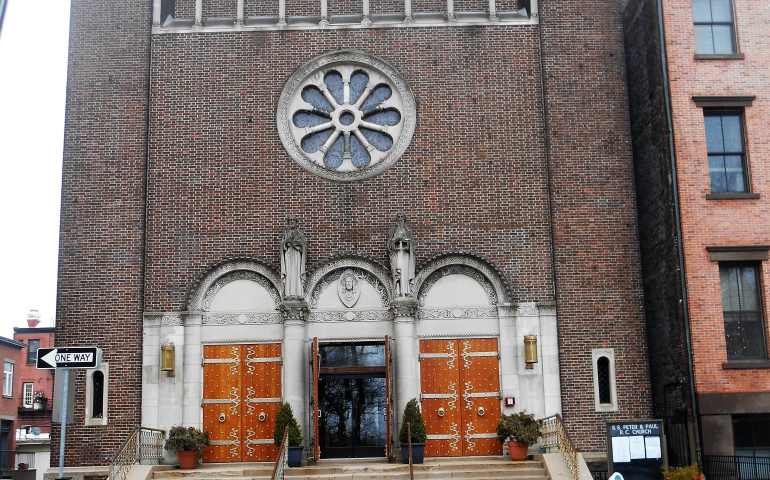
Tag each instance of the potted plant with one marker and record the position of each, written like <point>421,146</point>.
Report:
<point>520,430</point>
<point>39,401</point>
<point>681,473</point>
<point>413,417</point>
<point>285,418</point>
<point>188,443</point>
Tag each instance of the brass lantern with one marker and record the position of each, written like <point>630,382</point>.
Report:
<point>530,350</point>
<point>167,358</point>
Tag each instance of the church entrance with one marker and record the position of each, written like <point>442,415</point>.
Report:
<point>241,398</point>
<point>352,399</point>
<point>460,387</point>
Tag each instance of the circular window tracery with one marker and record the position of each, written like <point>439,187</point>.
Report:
<point>346,116</point>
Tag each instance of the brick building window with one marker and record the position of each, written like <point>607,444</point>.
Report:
<point>742,309</point>
<point>726,150</point>
<point>97,410</point>
<point>8,379</point>
<point>605,389</point>
<point>32,348</point>
<point>29,394</point>
<point>714,31</point>
<point>603,372</point>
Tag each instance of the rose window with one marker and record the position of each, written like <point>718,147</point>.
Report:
<point>346,116</point>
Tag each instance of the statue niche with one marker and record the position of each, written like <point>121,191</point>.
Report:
<point>293,251</point>
<point>401,248</point>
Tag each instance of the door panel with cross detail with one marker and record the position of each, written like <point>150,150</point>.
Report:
<point>460,396</point>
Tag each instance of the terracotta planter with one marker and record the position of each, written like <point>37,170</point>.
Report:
<point>517,451</point>
<point>187,458</point>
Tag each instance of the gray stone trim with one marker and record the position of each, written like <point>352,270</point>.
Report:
<point>457,313</point>
<point>461,335</point>
<point>222,281</point>
<point>213,273</point>
<point>156,319</point>
<point>351,315</point>
<point>486,267</point>
<point>327,61</point>
<point>242,341</point>
<point>333,266</point>
<point>241,318</point>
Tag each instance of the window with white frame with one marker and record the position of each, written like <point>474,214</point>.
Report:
<point>29,394</point>
<point>8,379</point>
<point>605,391</point>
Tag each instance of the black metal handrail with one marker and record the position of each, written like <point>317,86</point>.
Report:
<point>726,467</point>
<point>143,444</point>
<point>283,457</point>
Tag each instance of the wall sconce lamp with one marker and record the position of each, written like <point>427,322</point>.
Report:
<point>167,358</point>
<point>530,350</point>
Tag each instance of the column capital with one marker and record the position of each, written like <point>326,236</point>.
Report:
<point>406,307</point>
<point>294,312</point>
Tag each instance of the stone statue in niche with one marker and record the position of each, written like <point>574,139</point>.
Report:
<point>348,288</point>
<point>293,250</point>
<point>401,246</point>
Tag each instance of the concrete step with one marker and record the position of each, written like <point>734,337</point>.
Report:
<point>465,468</point>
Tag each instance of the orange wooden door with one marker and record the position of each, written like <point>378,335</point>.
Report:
<point>262,396</point>
<point>480,386</point>
<point>440,383</point>
<point>222,402</point>
<point>460,387</point>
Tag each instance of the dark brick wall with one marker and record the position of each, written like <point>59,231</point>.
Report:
<point>657,221</point>
<point>101,244</point>
<point>221,186</point>
<point>596,254</point>
<point>475,177</point>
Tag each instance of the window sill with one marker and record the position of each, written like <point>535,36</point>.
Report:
<point>747,365</point>
<point>719,56</point>
<point>732,196</point>
<point>7,396</point>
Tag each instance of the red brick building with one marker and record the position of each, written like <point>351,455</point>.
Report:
<point>704,214</point>
<point>10,353</point>
<point>35,386</point>
<point>195,129</point>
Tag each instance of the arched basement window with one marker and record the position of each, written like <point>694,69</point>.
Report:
<point>97,409</point>
<point>603,372</point>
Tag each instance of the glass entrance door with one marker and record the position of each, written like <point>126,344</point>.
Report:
<point>352,422</point>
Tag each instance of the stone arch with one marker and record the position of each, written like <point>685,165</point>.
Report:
<point>240,268</point>
<point>328,270</point>
<point>486,273</point>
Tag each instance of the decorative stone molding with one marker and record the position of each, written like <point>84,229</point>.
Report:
<point>404,308</point>
<point>461,335</point>
<point>294,312</point>
<point>239,341</point>
<point>240,275</point>
<point>241,318</point>
<point>527,310</point>
<point>333,315</point>
<point>494,277</point>
<point>457,313</point>
<point>346,117</point>
<point>547,307</point>
<point>329,270</point>
<point>215,272</point>
<point>157,319</point>
<point>457,270</point>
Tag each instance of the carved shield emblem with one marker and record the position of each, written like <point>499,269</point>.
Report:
<point>348,288</point>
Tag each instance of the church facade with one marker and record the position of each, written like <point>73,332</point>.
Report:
<point>344,207</point>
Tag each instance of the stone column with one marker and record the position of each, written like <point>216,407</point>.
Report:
<point>294,313</point>
<point>531,388</point>
<point>407,355</point>
<point>509,372</point>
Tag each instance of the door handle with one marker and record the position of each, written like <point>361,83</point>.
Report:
<point>222,418</point>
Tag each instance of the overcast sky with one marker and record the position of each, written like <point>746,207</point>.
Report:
<point>33,77</point>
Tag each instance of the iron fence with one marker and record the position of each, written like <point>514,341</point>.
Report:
<point>599,474</point>
<point>725,467</point>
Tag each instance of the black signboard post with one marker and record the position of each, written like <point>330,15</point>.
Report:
<point>636,449</point>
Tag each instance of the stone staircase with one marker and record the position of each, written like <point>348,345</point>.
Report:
<point>466,468</point>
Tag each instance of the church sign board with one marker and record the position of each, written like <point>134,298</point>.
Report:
<point>69,357</point>
<point>636,449</point>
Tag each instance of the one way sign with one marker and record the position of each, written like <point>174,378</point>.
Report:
<point>69,357</point>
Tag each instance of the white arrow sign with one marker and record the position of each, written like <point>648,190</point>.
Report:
<point>69,357</point>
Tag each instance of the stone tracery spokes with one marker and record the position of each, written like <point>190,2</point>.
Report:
<point>350,118</point>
